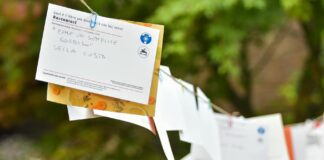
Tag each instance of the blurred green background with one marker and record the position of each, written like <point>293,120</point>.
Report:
<point>252,56</point>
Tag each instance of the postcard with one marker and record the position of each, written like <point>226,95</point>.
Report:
<point>113,58</point>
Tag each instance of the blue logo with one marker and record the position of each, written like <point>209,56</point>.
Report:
<point>146,38</point>
<point>261,130</point>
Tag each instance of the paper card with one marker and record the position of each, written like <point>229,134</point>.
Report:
<point>168,107</point>
<point>74,97</point>
<point>209,130</point>
<point>115,58</point>
<point>277,146</point>
<point>191,131</point>
<point>314,146</point>
<point>242,139</point>
<point>80,113</point>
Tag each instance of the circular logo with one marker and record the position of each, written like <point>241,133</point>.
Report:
<point>261,130</point>
<point>143,51</point>
<point>146,38</point>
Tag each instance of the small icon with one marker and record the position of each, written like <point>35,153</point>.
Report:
<point>261,130</point>
<point>146,38</point>
<point>143,52</point>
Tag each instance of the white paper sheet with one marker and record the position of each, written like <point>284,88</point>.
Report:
<point>192,129</point>
<point>209,130</point>
<point>115,59</point>
<point>168,107</point>
<point>277,145</point>
<point>242,139</point>
<point>314,146</point>
<point>298,137</point>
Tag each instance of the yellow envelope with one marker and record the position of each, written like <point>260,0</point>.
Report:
<point>74,97</point>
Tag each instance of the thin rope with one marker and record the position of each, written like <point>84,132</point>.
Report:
<point>320,118</point>
<point>85,4</point>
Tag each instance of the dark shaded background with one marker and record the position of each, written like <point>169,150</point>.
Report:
<point>253,56</point>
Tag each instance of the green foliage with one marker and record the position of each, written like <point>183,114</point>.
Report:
<point>214,28</point>
<point>289,90</point>
<point>300,9</point>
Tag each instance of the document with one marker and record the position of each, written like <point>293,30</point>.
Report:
<point>75,97</point>
<point>242,139</point>
<point>277,149</point>
<point>115,58</point>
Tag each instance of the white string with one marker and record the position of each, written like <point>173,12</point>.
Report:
<point>85,4</point>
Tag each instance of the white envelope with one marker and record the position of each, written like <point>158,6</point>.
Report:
<point>242,139</point>
<point>277,145</point>
<point>115,58</point>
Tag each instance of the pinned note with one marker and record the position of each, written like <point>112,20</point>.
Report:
<point>242,139</point>
<point>191,130</point>
<point>277,146</point>
<point>209,130</point>
<point>168,106</point>
<point>115,59</point>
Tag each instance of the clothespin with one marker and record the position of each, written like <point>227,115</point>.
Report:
<point>152,125</point>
